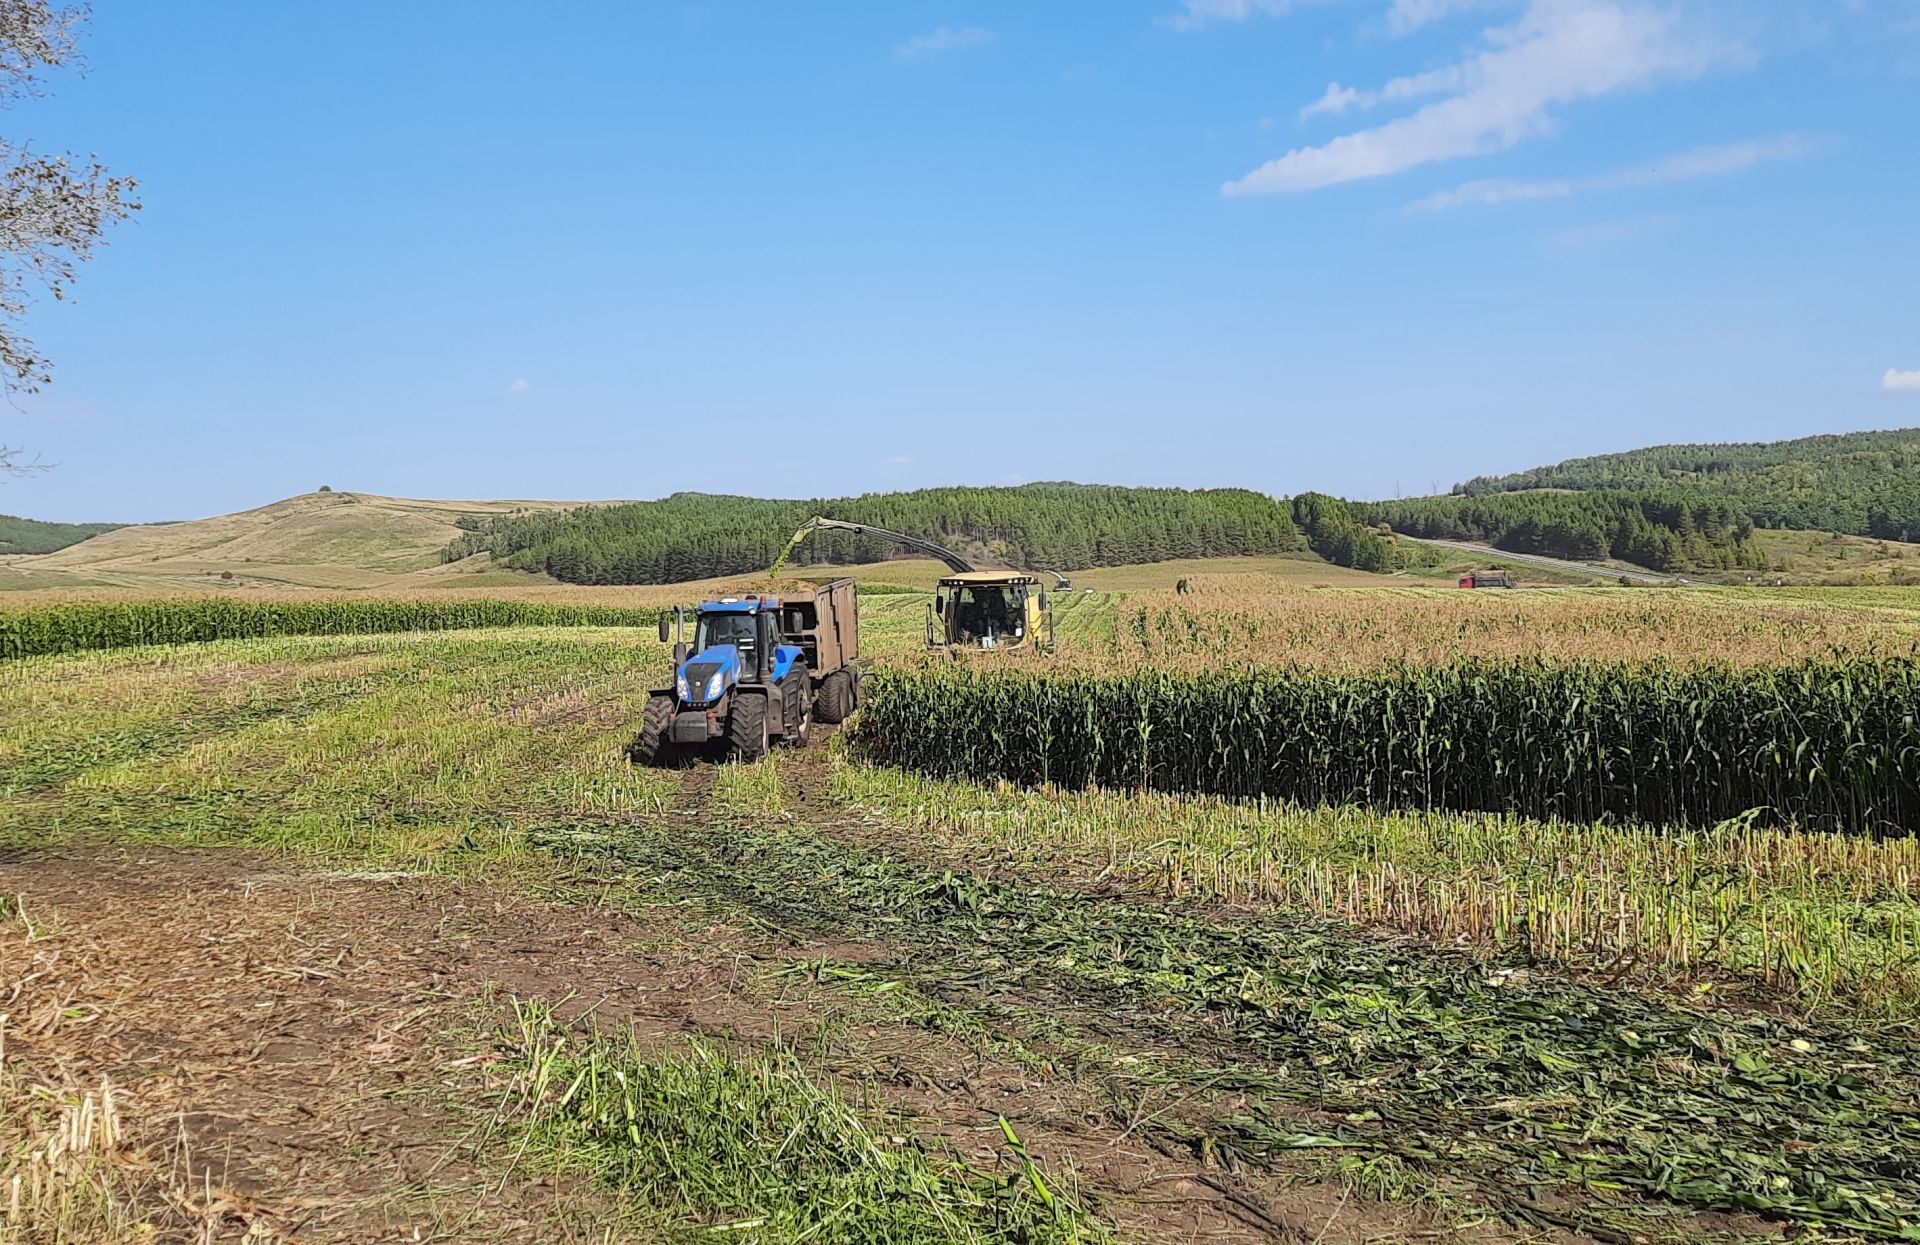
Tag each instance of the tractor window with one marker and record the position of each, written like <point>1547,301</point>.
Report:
<point>736,629</point>
<point>979,613</point>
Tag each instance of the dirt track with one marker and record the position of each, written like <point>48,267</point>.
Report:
<point>307,1055</point>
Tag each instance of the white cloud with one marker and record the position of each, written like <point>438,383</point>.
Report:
<point>1603,233</point>
<point>941,39</point>
<point>1557,52</point>
<point>1490,191</point>
<point>1713,161</point>
<point>1684,166</point>
<point>1409,15</point>
<point>1404,16</point>
<point>1897,381</point>
<point>1197,13</point>
<point>520,386</point>
<point>1339,99</point>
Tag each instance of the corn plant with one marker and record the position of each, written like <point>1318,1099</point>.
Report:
<point>1826,744</point>
<point>82,626</point>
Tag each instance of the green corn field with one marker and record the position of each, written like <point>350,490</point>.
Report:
<point>1831,744</point>
<point>91,625</point>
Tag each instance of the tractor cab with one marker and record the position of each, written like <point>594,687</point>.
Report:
<point>989,610</point>
<point>736,639</point>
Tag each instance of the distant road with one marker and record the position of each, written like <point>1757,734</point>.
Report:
<point>1557,564</point>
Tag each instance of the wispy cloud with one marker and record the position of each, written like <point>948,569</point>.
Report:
<point>1409,15</point>
<point>1607,232</point>
<point>520,386</point>
<point>1556,52</point>
<point>940,39</point>
<point>1897,381</point>
<point>1338,99</point>
<point>1683,166</point>
<point>1492,190</point>
<point>1195,14</point>
<point>1404,16</point>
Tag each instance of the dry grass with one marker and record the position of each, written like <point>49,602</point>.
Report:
<point>1237,620</point>
<point>83,1160</point>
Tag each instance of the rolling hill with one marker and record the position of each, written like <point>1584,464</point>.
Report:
<point>369,542</point>
<point>315,540</point>
<point>18,535</point>
<point>1693,508</point>
<point>1726,510</point>
<point>1855,483</point>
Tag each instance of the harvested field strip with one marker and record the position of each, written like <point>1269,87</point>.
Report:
<point>1533,1091</point>
<point>442,751</point>
<point>1085,619</point>
<point>1822,744</point>
<point>127,624</point>
<point>1817,918</point>
<point>715,1141</point>
<point>51,748</point>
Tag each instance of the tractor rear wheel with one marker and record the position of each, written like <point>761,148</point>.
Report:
<point>653,747</point>
<point>836,701</point>
<point>796,692</point>
<point>747,727</point>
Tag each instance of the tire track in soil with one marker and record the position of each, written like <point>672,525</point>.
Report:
<point>1561,1209</point>
<point>1152,1182</point>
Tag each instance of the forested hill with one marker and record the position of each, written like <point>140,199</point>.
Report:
<point>33,536</point>
<point>1667,531</point>
<point>1035,526</point>
<point>1858,483</point>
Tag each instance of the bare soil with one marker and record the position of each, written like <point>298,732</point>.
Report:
<point>305,1055</point>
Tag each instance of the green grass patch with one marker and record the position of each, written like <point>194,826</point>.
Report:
<point>412,750</point>
<point>715,1145</point>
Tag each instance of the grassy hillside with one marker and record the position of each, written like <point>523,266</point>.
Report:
<point>317,540</point>
<point>19,535</point>
<point>1856,483</point>
<point>1053,526</point>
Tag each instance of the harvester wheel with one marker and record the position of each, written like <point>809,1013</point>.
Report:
<point>747,727</point>
<point>836,700</point>
<point>653,747</point>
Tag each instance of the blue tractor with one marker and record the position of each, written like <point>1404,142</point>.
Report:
<point>761,670</point>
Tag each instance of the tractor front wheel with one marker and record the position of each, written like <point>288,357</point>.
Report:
<point>653,747</point>
<point>747,727</point>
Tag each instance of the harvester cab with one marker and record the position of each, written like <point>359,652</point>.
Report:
<point>989,610</point>
<point>761,669</point>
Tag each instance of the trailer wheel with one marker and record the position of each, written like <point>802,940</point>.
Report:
<point>747,727</point>
<point>836,701</point>
<point>652,747</point>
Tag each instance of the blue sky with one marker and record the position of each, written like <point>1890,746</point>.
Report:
<point>1367,246</point>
